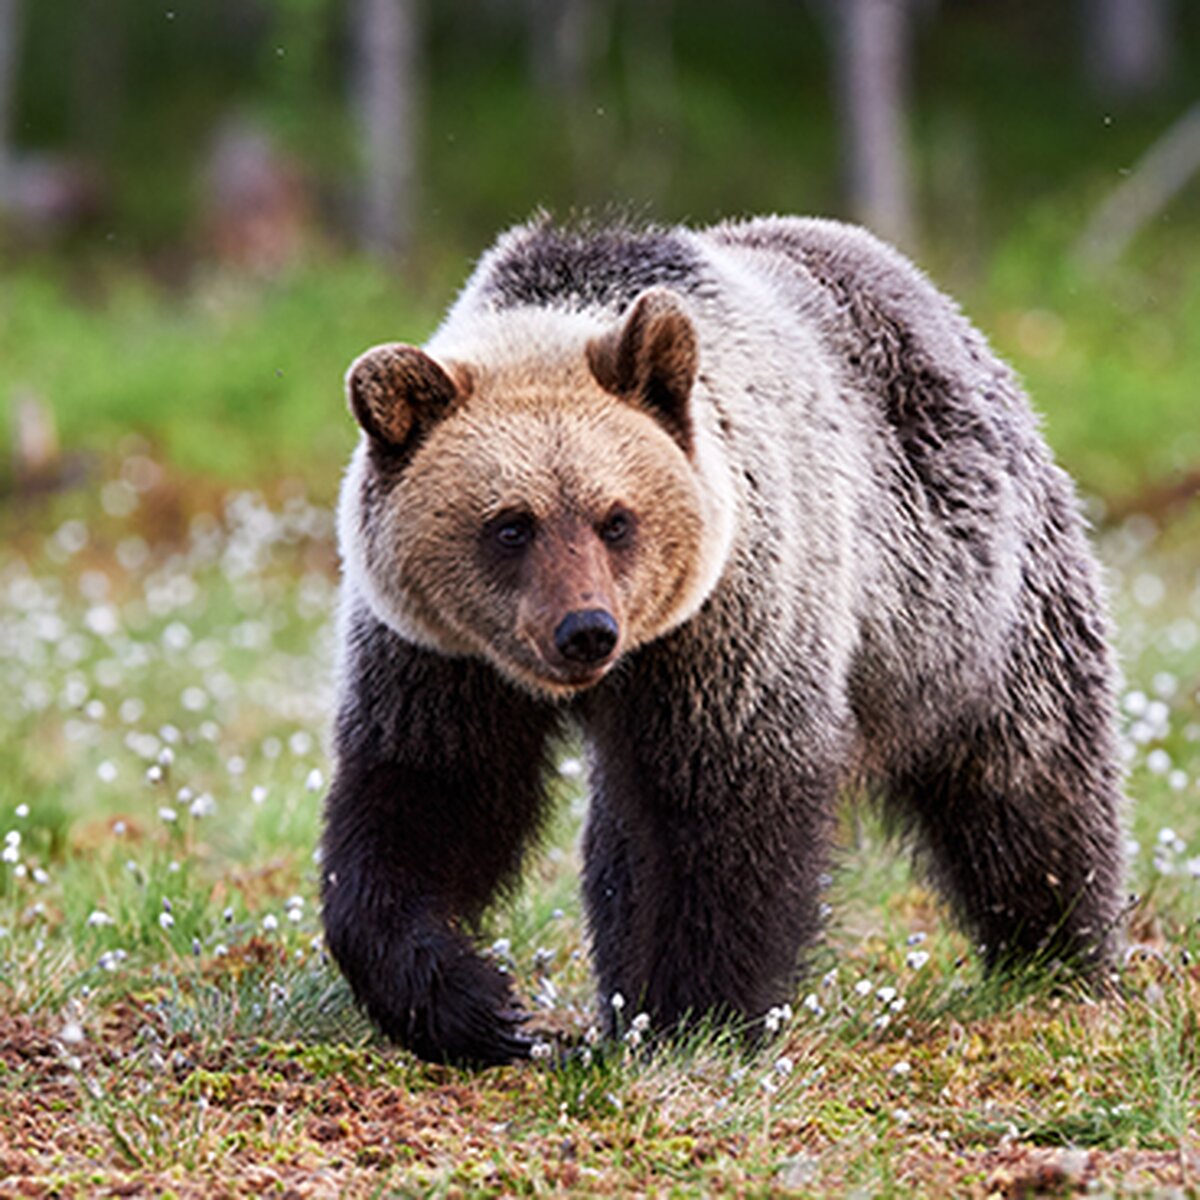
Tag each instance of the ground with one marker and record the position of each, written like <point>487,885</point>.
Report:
<point>170,1024</point>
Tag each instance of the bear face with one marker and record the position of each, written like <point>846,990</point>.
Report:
<point>547,520</point>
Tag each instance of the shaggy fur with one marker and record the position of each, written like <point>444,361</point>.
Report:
<point>818,515</point>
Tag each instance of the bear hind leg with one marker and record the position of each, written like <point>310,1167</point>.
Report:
<point>1026,849</point>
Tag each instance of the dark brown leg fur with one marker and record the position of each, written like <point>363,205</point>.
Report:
<point>703,852</point>
<point>437,792</point>
<point>1019,819</point>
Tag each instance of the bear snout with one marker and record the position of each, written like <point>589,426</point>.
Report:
<point>587,635</point>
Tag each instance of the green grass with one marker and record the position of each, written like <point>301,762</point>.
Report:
<point>194,1033</point>
<point>231,380</point>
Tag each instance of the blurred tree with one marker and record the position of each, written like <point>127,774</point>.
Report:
<point>566,38</point>
<point>872,47</point>
<point>98,76</point>
<point>1166,168</point>
<point>651,85</point>
<point>10,14</point>
<point>1127,44</point>
<point>386,38</point>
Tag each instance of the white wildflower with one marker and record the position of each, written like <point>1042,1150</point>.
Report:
<point>1164,684</point>
<point>203,805</point>
<point>71,1033</point>
<point>1158,761</point>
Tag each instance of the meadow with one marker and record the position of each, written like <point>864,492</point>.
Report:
<point>169,1023</point>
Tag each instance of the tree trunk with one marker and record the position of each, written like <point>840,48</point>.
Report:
<point>566,37</point>
<point>1128,45</point>
<point>1170,164</point>
<point>872,75</point>
<point>386,43</point>
<point>10,26</point>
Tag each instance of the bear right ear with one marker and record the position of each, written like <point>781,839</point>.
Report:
<point>651,361</point>
<point>395,390</point>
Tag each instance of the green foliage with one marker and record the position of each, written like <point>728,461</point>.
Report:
<point>231,380</point>
<point>1109,360</point>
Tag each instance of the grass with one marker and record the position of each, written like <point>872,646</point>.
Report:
<point>232,380</point>
<point>171,1022</point>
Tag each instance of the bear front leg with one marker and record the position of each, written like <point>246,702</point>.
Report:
<point>703,866</point>
<point>437,790</point>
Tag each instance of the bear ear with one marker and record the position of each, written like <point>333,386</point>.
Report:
<point>395,391</point>
<point>651,360</point>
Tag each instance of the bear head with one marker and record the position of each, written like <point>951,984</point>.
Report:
<point>548,507</point>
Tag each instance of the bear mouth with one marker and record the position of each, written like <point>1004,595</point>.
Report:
<point>569,679</point>
<point>559,680</point>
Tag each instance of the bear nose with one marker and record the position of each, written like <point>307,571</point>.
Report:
<point>587,635</point>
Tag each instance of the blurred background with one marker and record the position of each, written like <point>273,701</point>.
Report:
<point>207,207</point>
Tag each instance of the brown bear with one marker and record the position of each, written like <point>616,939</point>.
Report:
<point>757,511</point>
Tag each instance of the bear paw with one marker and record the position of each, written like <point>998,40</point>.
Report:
<point>446,1004</point>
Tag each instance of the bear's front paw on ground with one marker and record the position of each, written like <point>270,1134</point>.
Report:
<point>446,1004</point>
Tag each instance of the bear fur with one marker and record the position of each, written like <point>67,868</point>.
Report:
<point>759,512</point>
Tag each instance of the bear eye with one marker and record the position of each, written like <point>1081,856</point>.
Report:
<point>617,527</point>
<point>513,532</point>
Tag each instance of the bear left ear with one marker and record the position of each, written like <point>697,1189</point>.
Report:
<point>395,391</point>
<point>651,361</point>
